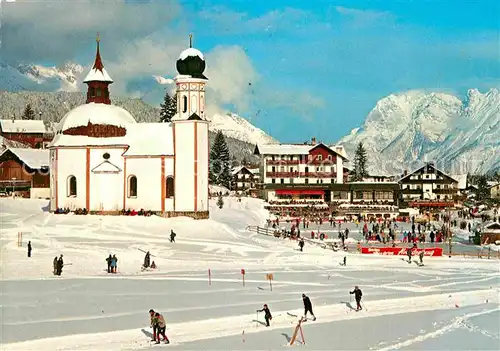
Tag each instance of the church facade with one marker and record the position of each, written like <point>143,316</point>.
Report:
<point>103,161</point>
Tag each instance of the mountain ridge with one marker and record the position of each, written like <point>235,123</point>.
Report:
<point>407,129</point>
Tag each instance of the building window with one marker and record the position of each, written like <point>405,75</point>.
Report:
<point>329,157</point>
<point>71,186</point>
<point>132,186</point>
<point>98,92</point>
<point>282,181</point>
<point>273,180</point>
<point>170,187</point>
<point>291,180</point>
<point>306,181</point>
<point>184,104</point>
<point>320,157</point>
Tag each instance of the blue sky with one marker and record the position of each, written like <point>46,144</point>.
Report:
<point>294,68</point>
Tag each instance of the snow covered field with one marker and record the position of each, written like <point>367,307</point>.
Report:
<point>447,304</point>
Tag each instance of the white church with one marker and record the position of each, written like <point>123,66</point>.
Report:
<point>103,161</point>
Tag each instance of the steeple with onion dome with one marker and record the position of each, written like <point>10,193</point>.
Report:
<point>98,81</point>
<point>190,83</point>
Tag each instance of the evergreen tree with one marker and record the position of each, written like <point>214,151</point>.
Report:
<point>28,113</point>
<point>360,159</point>
<point>168,108</point>
<point>220,167</point>
<point>220,201</point>
<point>483,191</point>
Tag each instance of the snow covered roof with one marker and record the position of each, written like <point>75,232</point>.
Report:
<point>98,75</point>
<point>295,149</point>
<point>95,114</point>
<point>150,139</point>
<point>191,52</point>
<point>142,139</point>
<point>33,158</point>
<point>22,126</point>
<point>461,179</point>
<point>236,170</point>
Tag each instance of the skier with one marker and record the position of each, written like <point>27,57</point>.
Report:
<point>267,314</point>
<point>307,307</point>
<point>408,252</point>
<point>172,236</point>
<point>301,244</point>
<point>345,261</point>
<point>29,248</point>
<point>161,326</point>
<point>108,261</point>
<point>114,264</point>
<point>153,323</point>
<point>147,260</point>
<point>357,295</point>
<point>55,265</point>
<point>421,257</point>
<point>60,264</point>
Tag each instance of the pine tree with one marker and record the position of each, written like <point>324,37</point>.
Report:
<point>360,159</point>
<point>220,167</point>
<point>220,201</point>
<point>483,192</point>
<point>168,108</point>
<point>28,113</point>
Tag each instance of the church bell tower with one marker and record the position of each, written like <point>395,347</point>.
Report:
<point>98,81</point>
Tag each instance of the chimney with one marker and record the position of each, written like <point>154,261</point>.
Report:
<point>313,141</point>
<point>405,173</point>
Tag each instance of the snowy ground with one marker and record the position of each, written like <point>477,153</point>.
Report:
<point>447,304</point>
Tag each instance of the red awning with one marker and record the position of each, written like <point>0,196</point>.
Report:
<point>299,192</point>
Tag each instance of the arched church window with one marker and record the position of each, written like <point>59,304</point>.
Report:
<point>98,92</point>
<point>170,187</point>
<point>132,186</point>
<point>184,103</point>
<point>92,92</point>
<point>71,186</point>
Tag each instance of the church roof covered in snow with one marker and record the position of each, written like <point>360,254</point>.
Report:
<point>190,52</point>
<point>22,126</point>
<point>141,139</point>
<point>95,114</point>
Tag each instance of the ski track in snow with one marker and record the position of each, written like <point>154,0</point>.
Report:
<point>459,322</point>
<point>235,325</point>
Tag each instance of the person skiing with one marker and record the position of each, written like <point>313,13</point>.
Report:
<point>408,252</point>
<point>147,260</point>
<point>421,257</point>
<point>161,326</point>
<point>153,323</point>
<point>267,314</point>
<point>301,244</point>
<point>114,264</point>
<point>60,264</point>
<point>55,265</point>
<point>108,261</point>
<point>345,261</point>
<point>357,296</point>
<point>29,248</point>
<point>307,306</point>
<point>172,236</point>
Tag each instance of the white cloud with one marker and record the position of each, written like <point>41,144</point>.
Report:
<point>363,17</point>
<point>163,81</point>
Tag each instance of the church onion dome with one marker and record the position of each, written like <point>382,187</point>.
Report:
<point>191,62</point>
<point>96,120</point>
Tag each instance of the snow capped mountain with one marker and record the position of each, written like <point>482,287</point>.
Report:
<point>37,77</point>
<point>67,74</point>
<point>404,130</point>
<point>237,127</point>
